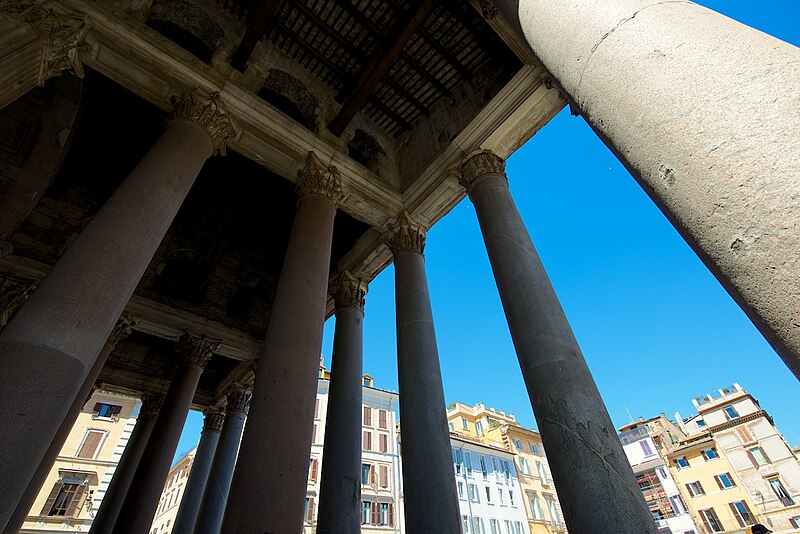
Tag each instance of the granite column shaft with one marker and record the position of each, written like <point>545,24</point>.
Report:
<point>583,450</point>
<point>106,518</point>
<point>186,518</point>
<point>273,458</point>
<point>145,490</point>
<point>431,501</point>
<point>212,508</point>
<point>340,485</point>
<point>51,345</point>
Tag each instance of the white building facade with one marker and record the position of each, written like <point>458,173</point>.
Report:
<point>489,494</point>
<point>659,488</point>
<point>380,460</point>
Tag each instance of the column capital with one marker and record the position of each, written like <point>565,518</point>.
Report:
<point>213,419</point>
<point>406,234</point>
<point>488,9</point>
<point>63,35</point>
<point>480,164</point>
<point>316,178</point>
<point>207,110</point>
<point>151,405</point>
<point>196,349</point>
<point>350,291</point>
<point>239,397</point>
<point>122,329</point>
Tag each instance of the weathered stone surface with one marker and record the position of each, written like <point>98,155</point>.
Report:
<point>702,110</point>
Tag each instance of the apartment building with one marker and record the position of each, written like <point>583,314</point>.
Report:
<point>74,489</point>
<point>380,459</point>
<point>167,511</point>
<point>498,429</point>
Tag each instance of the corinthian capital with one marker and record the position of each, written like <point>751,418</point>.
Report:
<point>207,110</point>
<point>239,397</point>
<point>350,291</point>
<point>213,419</point>
<point>406,234</point>
<point>122,329</point>
<point>63,35</point>
<point>196,349</point>
<point>481,164</point>
<point>151,405</point>
<point>316,178</point>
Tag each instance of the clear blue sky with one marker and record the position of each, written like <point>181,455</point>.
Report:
<point>655,326</point>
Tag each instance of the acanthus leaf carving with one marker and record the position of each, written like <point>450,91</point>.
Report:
<point>480,164</point>
<point>196,349</point>
<point>350,291</point>
<point>406,235</point>
<point>316,178</point>
<point>207,110</point>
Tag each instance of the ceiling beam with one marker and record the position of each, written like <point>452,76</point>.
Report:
<point>379,64</point>
<point>255,31</point>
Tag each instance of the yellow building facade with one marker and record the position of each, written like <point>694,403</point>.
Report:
<point>502,430</point>
<point>168,505</point>
<point>72,492</point>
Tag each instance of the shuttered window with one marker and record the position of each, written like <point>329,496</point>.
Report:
<point>64,500</point>
<point>384,442</point>
<point>742,513</point>
<point>710,520</point>
<point>382,419</point>
<point>367,440</point>
<point>316,409</point>
<point>309,508</point>
<point>111,411</point>
<point>383,476</point>
<point>91,444</point>
<point>367,416</point>
<point>376,514</point>
<point>312,474</point>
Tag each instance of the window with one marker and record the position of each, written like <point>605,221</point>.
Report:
<point>542,472</point>
<point>383,476</point>
<point>710,454</point>
<point>536,506</point>
<point>518,444</point>
<point>795,521</point>
<point>682,463</point>
<point>479,428</point>
<point>695,488</point>
<point>711,520</point>
<point>451,427</point>
<point>524,466</point>
<point>701,423</point>
<point>509,527</point>
<point>460,490</point>
<point>742,513</point>
<point>494,524</point>
<point>465,521</point>
<point>488,494</point>
<point>309,509</point>
<point>744,435</point>
<point>458,460</point>
<point>386,514</point>
<point>506,469</point>
<point>367,416</point>
<point>465,423</point>
<point>780,491</point>
<point>383,418</point>
<point>724,481</point>
<point>383,440</point>
<point>65,499</point>
<point>367,441</point>
<point>483,466</point>
<point>553,508</point>
<point>757,456</point>
<point>367,474</point>
<point>730,412</point>
<point>646,448</point>
<point>476,525</point>
<point>316,409</point>
<point>518,527</point>
<point>366,508</point>
<point>511,497</point>
<point>312,469</point>
<point>662,473</point>
<point>106,411</point>
<point>500,494</point>
<point>534,448</point>
<point>678,505</point>
<point>314,434</point>
<point>474,496</point>
<point>468,463</point>
<point>90,445</point>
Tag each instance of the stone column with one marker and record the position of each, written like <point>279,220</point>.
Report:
<point>212,509</point>
<point>699,108</point>
<point>198,477</point>
<point>145,490</point>
<point>585,455</point>
<point>340,485</point>
<point>122,329</point>
<point>429,482</point>
<point>49,347</point>
<point>36,43</point>
<point>106,517</point>
<point>273,459</point>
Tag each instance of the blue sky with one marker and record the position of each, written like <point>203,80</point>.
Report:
<point>655,326</point>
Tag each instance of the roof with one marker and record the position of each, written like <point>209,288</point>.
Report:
<point>455,436</point>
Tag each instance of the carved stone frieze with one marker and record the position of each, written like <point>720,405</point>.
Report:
<point>151,405</point>
<point>480,164</point>
<point>239,397</point>
<point>207,110</point>
<point>63,35</point>
<point>350,291</point>
<point>316,178</point>
<point>213,419</point>
<point>196,349</point>
<point>406,235</point>
<point>122,329</point>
